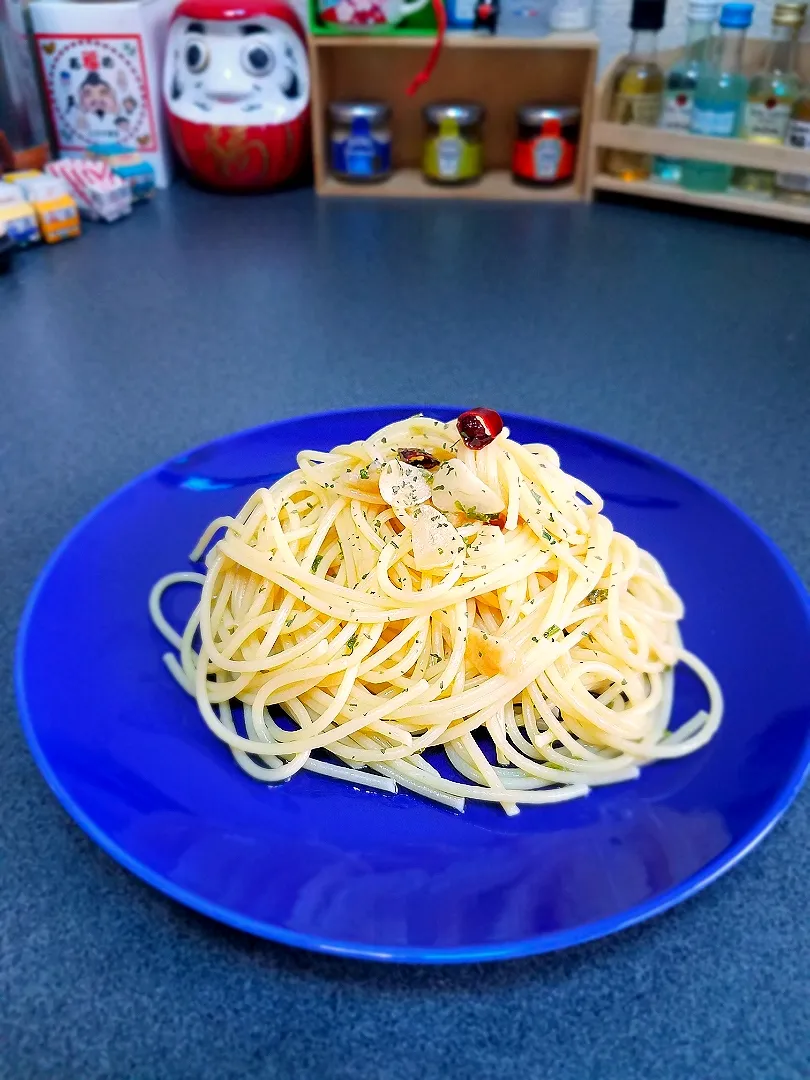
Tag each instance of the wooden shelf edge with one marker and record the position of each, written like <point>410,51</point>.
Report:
<point>608,135</point>
<point>496,185</point>
<point>727,200</point>
<point>456,39</point>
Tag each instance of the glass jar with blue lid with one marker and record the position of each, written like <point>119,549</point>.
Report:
<point>360,140</point>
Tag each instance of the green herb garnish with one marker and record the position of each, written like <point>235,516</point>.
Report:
<point>364,473</point>
<point>350,644</point>
<point>476,515</point>
<point>552,630</point>
<point>316,562</point>
<point>596,596</point>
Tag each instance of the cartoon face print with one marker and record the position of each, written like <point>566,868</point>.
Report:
<point>249,71</point>
<point>93,82</point>
<point>124,129</point>
<point>96,96</point>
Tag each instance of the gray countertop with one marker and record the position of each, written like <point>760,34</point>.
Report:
<point>204,314</point>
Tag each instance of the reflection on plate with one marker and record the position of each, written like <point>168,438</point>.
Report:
<point>344,870</point>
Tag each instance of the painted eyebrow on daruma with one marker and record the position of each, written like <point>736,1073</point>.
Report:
<point>252,28</point>
<point>195,28</point>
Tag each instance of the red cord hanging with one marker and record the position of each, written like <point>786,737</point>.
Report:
<point>433,59</point>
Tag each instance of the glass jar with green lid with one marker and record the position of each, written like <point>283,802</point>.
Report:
<point>453,151</point>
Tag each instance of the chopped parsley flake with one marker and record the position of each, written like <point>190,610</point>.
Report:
<point>552,630</point>
<point>350,644</point>
<point>316,562</point>
<point>364,473</point>
<point>476,515</point>
<point>596,596</point>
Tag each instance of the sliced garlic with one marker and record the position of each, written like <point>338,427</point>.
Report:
<point>435,541</point>
<point>403,485</point>
<point>455,486</point>
<point>489,541</point>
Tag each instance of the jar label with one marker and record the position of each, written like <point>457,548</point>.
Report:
<point>677,113</point>
<point>798,136</point>
<point>767,120</point>
<point>718,120</point>
<point>361,155</point>
<point>449,154</point>
<point>636,109</point>
<point>547,156</point>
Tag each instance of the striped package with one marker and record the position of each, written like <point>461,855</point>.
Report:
<point>99,193</point>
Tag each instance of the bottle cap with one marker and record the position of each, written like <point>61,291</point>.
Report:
<point>647,14</point>
<point>703,11</point>
<point>786,14</point>
<point>736,16</point>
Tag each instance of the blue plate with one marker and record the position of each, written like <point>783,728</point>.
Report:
<point>316,863</point>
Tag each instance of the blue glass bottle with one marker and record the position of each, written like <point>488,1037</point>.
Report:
<point>719,99</point>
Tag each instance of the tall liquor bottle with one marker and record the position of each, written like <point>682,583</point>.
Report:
<point>681,81</point>
<point>638,89</point>
<point>771,94</point>
<point>795,187</point>
<point>719,98</point>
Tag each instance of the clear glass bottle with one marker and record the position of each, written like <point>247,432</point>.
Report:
<point>719,98</point>
<point>638,89</point>
<point>795,187</point>
<point>771,94</point>
<point>679,93</point>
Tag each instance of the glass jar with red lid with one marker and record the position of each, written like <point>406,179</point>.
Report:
<point>545,150</point>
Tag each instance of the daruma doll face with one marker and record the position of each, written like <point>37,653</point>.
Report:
<point>246,71</point>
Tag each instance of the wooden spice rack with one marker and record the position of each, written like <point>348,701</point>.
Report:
<point>606,135</point>
<point>500,72</point>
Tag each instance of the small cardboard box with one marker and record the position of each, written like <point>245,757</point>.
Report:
<point>101,66</point>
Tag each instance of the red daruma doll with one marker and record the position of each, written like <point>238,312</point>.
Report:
<point>236,87</point>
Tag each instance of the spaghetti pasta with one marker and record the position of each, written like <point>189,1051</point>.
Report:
<point>463,623</point>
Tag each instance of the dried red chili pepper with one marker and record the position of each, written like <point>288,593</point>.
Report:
<point>478,427</point>
<point>421,458</point>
